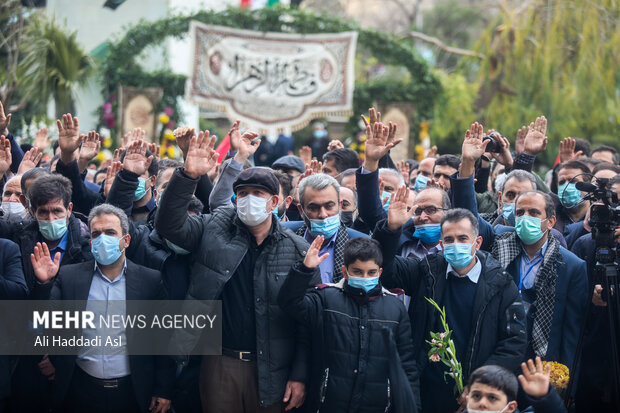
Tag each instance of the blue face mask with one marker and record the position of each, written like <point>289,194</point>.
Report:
<point>458,254</point>
<point>569,195</point>
<point>363,283</point>
<point>319,134</point>
<point>428,234</point>
<point>528,229</point>
<point>387,195</point>
<point>420,183</point>
<point>140,190</point>
<point>326,227</point>
<point>53,230</point>
<point>176,249</point>
<point>275,212</point>
<point>105,249</point>
<point>508,212</point>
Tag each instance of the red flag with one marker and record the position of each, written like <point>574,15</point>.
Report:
<point>245,4</point>
<point>557,161</point>
<point>223,148</point>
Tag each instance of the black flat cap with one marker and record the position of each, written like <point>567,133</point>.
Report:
<point>289,162</point>
<point>259,177</point>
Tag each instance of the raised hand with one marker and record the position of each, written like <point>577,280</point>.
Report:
<point>535,380</point>
<point>312,259</point>
<point>305,153</point>
<point>116,157</point>
<point>41,141</point>
<point>536,138</point>
<point>235,136</point>
<point>183,134</point>
<point>136,134</point>
<point>246,146</point>
<point>405,170</point>
<point>520,142</point>
<point>135,158</point>
<point>567,150</point>
<point>377,144</point>
<point>335,144</point>
<point>5,120</point>
<point>201,157</point>
<point>504,157</point>
<point>5,155</point>
<point>68,134</point>
<point>30,160</point>
<point>91,144</point>
<point>155,149</point>
<point>473,146</point>
<point>373,116</point>
<point>44,267</point>
<point>397,211</point>
<point>110,176</point>
<point>432,152</point>
<point>214,172</point>
<point>315,166</point>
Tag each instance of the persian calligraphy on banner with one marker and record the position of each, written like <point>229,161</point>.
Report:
<point>272,81</point>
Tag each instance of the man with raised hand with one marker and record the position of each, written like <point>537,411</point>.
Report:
<point>242,257</point>
<point>483,307</point>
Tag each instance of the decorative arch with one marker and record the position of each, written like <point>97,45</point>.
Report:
<point>421,87</point>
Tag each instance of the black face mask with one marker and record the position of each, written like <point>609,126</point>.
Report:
<point>346,217</point>
<point>292,213</point>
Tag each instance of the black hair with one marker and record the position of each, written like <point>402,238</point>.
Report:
<point>605,148</point>
<point>99,172</point>
<point>25,147</point>
<point>575,164</point>
<point>48,188</point>
<point>606,166</point>
<point>549,205</point>
<point>413,164</point>
<point>163,166</point>
<point>459,214</point>
<point>33,173</point>
<point>498,377</point>
<point>54,146</point>
<point>582,145</point>
<point>195,206</point>
<point>451,160</point>
<point>363,249</point>
<point>153,168</point>
<point>344,158</point>
<point>286,183</point>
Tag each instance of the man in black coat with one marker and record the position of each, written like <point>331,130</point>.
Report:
<point>90,382</point>
<point>242,257</point>
<point>483,307</point>
<point>12,287</point>
<point>54,224</point>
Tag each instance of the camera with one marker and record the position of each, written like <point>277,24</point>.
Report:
<point>495,145</point>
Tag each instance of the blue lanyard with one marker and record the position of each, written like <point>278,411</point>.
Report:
<point>521,279</point>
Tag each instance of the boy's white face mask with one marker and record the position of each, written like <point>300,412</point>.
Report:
<point>486,411</point>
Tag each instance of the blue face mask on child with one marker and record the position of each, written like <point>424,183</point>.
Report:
<point>364,283</point>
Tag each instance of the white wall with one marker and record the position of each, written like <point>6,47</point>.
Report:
<point>95,24</point>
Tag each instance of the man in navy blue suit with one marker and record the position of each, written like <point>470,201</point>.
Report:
<point>552,280</point>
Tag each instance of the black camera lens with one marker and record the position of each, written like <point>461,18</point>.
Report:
<point>493,146</point>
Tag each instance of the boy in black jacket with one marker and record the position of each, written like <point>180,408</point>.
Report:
<point>350,363</point>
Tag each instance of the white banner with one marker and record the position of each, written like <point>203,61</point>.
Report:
<point>272,81</point>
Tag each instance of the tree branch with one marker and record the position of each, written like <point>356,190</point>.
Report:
<point>441,45</point>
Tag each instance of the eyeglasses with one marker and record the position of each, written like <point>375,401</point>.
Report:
<point>429,210</point>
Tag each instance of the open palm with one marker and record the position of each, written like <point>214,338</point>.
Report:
<point>201,157</point>
<point>44,267</point>
<point>398,214</point>
<point>68,133</point>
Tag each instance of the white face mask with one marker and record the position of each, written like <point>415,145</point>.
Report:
<point>252,210</point>
<point>14,208</point>
<point>487,411</point>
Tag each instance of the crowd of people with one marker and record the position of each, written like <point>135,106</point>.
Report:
<point>326,268</point>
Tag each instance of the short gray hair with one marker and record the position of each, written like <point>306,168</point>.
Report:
<point>393,172</point>
<point>107,209</point>
<point>459,214</point>
<point>521,176</point>
<point>317,182</point>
